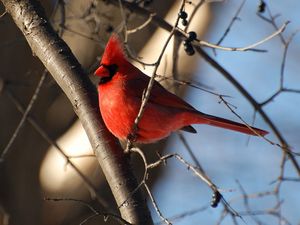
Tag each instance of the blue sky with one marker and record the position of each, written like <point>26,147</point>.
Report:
<point>228,156</point>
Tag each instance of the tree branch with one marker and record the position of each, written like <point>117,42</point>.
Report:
<point>160,22</point>
<point>65,69</point>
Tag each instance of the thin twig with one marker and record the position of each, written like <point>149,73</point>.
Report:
<point>143,183</point>
<point>284,148</point>
<point>282,89</point>
<point>156,206</point>
<point>246,202</point>
<point>252,101</point>
<point>117,218</point>
<point>81,156</point>
<point>124,21</point>
<point>97,41</point>
<point>190,151</point>
<point>147,92</point>
<point>194,169</point>
<point>92,189</point>
<point>142,26</point>
<point>3,14</point>
<point>234,18</point>
<point>25,114</point>
<point>271,20</point>
<point>230,106</point>
<point>186,214</point>
<point>242,49</point>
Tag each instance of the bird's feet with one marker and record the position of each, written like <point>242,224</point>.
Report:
<point>131,138</point>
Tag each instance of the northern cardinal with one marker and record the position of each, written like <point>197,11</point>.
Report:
<point>120,94</point>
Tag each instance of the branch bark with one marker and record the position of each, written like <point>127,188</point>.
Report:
<point>58,59</point>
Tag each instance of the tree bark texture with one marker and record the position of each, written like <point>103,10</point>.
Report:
<point>29,16</point>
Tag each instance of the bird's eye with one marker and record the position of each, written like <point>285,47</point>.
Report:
<point>112,69</point>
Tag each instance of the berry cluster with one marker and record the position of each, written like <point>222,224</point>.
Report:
<point>183,16</point>
<point>188,48</point>
<point>215,199</point>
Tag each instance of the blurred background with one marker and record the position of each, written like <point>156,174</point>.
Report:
<point>246,169</point>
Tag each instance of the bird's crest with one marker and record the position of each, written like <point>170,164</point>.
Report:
<point>114,51</point>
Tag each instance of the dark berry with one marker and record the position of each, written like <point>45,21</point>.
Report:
<point>147,2</point>
<point>215,199</point>
<point>186,42</point>
<point>187,45</point>
<point>188,48</point>
<point>261,7</point>
<point>184,22</point>
<point>183,15</point>
<point>192,36</point>
<point>109,29</point>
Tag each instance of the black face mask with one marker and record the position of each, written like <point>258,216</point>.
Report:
<point>112,69</point>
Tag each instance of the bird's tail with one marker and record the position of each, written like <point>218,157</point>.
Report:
<point>231,125</point>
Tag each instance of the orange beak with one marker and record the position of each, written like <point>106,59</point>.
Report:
<point>102,71</point>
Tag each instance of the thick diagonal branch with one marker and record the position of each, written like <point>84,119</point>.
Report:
<point>65,69</point>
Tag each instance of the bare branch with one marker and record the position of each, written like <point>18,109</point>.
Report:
<point>241,49</point>
<point>143,25</point>
<point>24,117</point>
<point>147,92</point>
<point>48,139</point>
<point>106,215</point>
<point>60,62</point>
<point>234,18</point>
<point>3,14</point>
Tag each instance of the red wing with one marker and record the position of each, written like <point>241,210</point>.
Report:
<point>159,95</point>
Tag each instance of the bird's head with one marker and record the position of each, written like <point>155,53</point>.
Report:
<point>112,60</point>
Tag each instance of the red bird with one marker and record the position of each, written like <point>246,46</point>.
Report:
<point>120,94</point>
